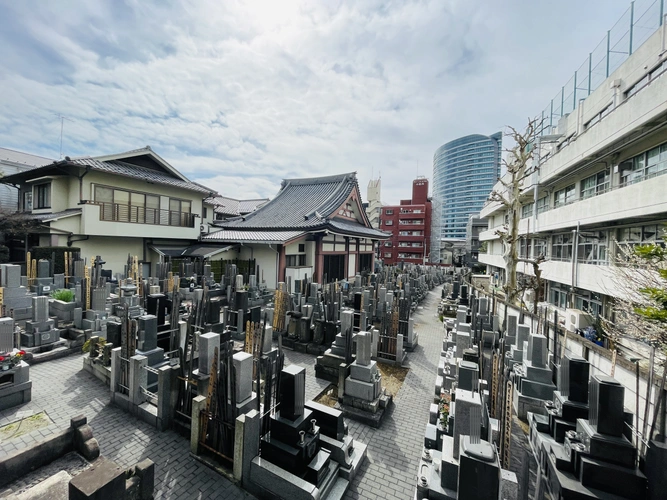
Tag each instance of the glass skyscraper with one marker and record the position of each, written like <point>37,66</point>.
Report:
<point>464,172</point>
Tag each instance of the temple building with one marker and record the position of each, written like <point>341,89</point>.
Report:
<point>314,227</point>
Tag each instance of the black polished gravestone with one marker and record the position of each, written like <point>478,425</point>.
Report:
<point>606,409</point>
<point>479,470</point>
<point>293,442</point>
<point>570,401</point>
<point>292,392</point>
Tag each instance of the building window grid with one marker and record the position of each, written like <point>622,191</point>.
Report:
<point>564,196</point>
<point>527,210</point>
<point>596,184</point>
<point>649,164</point>
<point>543,204</point>
<point>561,247</point>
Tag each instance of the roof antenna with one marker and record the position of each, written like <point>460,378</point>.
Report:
<point>62,124</point>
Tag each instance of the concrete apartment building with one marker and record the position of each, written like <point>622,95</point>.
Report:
<point>410,226</point>
<point>600,178</point>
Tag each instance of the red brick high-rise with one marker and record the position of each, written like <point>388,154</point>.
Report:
<point>410,226</point>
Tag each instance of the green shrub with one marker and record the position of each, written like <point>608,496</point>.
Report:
<point>63,294</point>
<point>48,253</point>
<point>4,254</point>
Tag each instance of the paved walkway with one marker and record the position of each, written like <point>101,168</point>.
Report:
<point>62,389</point>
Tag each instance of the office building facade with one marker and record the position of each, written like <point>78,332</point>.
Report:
<point>464,172</point>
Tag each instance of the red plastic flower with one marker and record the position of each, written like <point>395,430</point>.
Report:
<point>2,358</point>
<point>21,352</point>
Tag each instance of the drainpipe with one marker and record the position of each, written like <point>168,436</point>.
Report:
<point>81,184</point>
<point>277,263</point>
<point>71,240</point>
<point>575,245</point>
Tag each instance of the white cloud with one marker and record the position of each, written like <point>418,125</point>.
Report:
<point>239,95</point>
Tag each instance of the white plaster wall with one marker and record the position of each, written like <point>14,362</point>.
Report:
<point>113,250</point>
<point>351,266</point>
<point>266,259</point>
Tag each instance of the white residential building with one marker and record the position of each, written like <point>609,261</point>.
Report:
<point>600,179</point>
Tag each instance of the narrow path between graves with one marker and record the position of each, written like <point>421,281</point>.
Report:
<point>63,390</point>
<point>390,470</point>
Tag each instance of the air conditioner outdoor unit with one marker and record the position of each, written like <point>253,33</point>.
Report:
<point>576,319</point>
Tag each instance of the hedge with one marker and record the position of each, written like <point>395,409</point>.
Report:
<point>47,253</point>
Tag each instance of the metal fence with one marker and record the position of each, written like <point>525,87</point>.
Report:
<point>635,26</point>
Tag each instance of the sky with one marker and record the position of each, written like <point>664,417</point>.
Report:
<point>239,95</point>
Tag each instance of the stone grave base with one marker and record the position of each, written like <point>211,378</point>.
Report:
<point>327,367</point>
<point>18,390</point>
<point>278,483</point>
<point>395,362</point>
<point>306,347</point>
<point>410,346</point>
<point>15,395</point>
<point>42,340</point>
<point>339,453</point>
<point>54,487</point>
<point>96,368</point>
<point>524,404</point>
<point>367,412</point>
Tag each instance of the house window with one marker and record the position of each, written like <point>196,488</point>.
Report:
<point>204,213</point>
<point>595,184</point>
<point>387,243</point>
<point>389,223</point>
<point>120,205</point>
<point>302,247</point>
<point>564,196</point>
<point>295,260</point>
<point>179,211</point>
<point>387,255</point>
<point>389,212</point>
<point>27,201</point>
<point>43,195</point>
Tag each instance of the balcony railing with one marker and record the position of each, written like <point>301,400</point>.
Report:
<point>115,212</point>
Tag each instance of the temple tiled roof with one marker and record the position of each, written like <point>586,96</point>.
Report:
<point>306,205</point>
<point>300,203</point>
<point>239,236</point>
<point>230,206</point>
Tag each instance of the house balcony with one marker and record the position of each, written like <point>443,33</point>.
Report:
<point>115,220</point>
<point>115,212</point>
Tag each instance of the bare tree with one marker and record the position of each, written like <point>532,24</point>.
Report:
<point>519,167</point>
<point>639,274</point>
